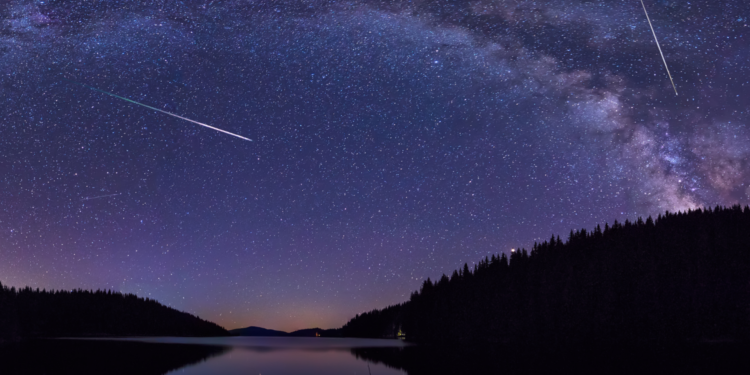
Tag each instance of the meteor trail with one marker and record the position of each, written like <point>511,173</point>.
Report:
<point>658,46</point>
<point>162,111</point>
<point>99,196</point>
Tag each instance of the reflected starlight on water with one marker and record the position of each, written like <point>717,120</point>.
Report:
<point>282,355</point>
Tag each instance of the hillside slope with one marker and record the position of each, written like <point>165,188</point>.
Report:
<point>683,277</point>
<point>34,313</point>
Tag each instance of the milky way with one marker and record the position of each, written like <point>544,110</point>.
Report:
<point>394,141</point>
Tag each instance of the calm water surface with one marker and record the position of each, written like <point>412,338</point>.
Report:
<point>280,356</point>
<point>283,355</point>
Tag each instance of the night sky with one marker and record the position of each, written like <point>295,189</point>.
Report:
<point>392,141</point>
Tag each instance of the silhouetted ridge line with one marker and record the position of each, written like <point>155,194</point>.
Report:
<point>684,277</point>
<point>309,332</point>
<point>77,313</point>
<point>257,331</point>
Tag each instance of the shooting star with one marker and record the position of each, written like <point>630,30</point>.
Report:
<point>100,196</point>
<point>162,111</point>
<point>659,47</point>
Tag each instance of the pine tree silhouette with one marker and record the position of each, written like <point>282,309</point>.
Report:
<point>680,278</point>
<point>34,313</point>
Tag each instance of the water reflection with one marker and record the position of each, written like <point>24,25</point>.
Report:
<point>193,356</point>
<point>287,362</point>
<point>275,343</point>
<point>84,357</point>
<point>708,359</point>
<point>285,356</point>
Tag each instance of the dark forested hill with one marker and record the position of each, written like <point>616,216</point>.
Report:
<point>257,331</point>
<point>34,313</point>
<point>316,332</point>
<point>309,332</point>
<point>683,277</point>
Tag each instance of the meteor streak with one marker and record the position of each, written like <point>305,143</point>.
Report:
<point>658,46</point>
<point>162,111</point>
<point>100,196</point>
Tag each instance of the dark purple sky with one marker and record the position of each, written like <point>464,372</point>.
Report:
<point>393,141</point>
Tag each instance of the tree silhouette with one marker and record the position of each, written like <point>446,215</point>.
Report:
<point>682,277</point>
<point>34,313</point>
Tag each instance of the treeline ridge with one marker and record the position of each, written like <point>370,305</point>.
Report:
<point>684,277</point>
<point>28,313</point>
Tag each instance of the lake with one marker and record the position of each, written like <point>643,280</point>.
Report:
<point>281,356</point>
<point>195,356</point>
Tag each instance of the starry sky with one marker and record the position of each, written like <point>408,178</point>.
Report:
<point>392,140</point>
